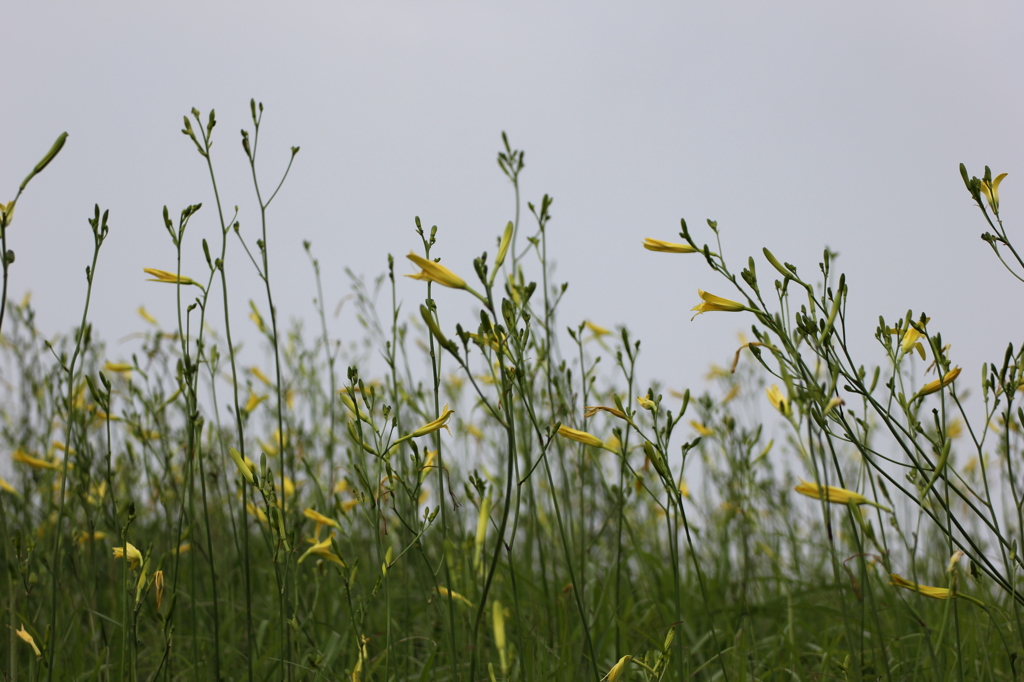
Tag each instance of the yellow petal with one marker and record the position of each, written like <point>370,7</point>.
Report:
<point>435,272</point>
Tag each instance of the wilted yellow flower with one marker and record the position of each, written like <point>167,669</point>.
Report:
<point>591,410</point>
<point>580,436</point>
<point>712,303</point>
<point>938,384</point>
<point>170,278</point>
<point>20,455</point>
<point>134,555</point>
<point>667,247</point>
<point>435,272</point>
<point>646,402</point>
<point>933,592</point>
<point>453,595</point>
<point>778,401</point>
<point>158,582</point>
<point>991,191</point>
<point>618,670</point>
<point>833,494</point>
<point>436,425</point>
<point>320,520</point>
<point>24,636</point>
<point>701,429</point>
<point>954,560</point>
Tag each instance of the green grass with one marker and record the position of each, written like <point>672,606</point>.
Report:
<point>657,538</point>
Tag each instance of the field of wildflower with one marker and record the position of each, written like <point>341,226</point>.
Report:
<point>490,501</point>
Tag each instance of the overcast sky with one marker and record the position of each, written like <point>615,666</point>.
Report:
<point>795,125</point>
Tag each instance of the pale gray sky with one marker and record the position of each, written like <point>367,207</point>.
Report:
<point>794,124</point>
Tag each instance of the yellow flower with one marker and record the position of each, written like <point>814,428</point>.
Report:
<point>253,402</point>
<point>911,342</point>
<point>20,455</point>
<point>134,555</point>
<point>144,314</point>
<point>437,424</point>
<point>580,436</point>
<point>322,549</point>
<point>453,595</point>
<point>598,331</point>
<point>646,402</point>
<point>938,384</point>
<point>435,272</point>
<point>991,191</point>
<point>122,368</point>
<point>7,487</point>
<point>778,401</point>
<point>701,429</point>
<point>256,372</point>
<point>711,303</point>
<point>933,592</point>
<point>833,494</point>
<point>170,277</point>
<point>617,670</point>
<point>320,519</point>
<point>27,638</point>
<point>667,247</point>
<point>82,537</point>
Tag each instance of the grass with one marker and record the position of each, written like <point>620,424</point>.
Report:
<point>489,505</point>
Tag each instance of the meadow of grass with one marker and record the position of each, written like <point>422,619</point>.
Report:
<point>491,502</point>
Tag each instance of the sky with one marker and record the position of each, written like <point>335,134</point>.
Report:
<point>795,125</point>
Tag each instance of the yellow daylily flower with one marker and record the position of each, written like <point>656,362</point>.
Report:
<point>939,384</point>
<point>23,457</point>
<point>256,372</point>
<point>667,247</point>
<point>122,368</point>
<point>597,331</point>
<point>911,342</point>
<point>435,272</point>
<point>134,555</point>
<point>927,591</point>
<point>580,436</point>
<point>7,487</point>
<point>253,402</point>
<point>24,636</point>
<point>144,314</point>
<point>701,429</point>
<point>170,278</point>
<point>833,494</point>
<point>322,549</point>
<point>646,402</point>
<point>320,520</point>
<point>712,303</point>
<point>82,537</point>
<point>991,192</point>
<point>439,423</point>
<point>779,401</point>
<point>618,670</point>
